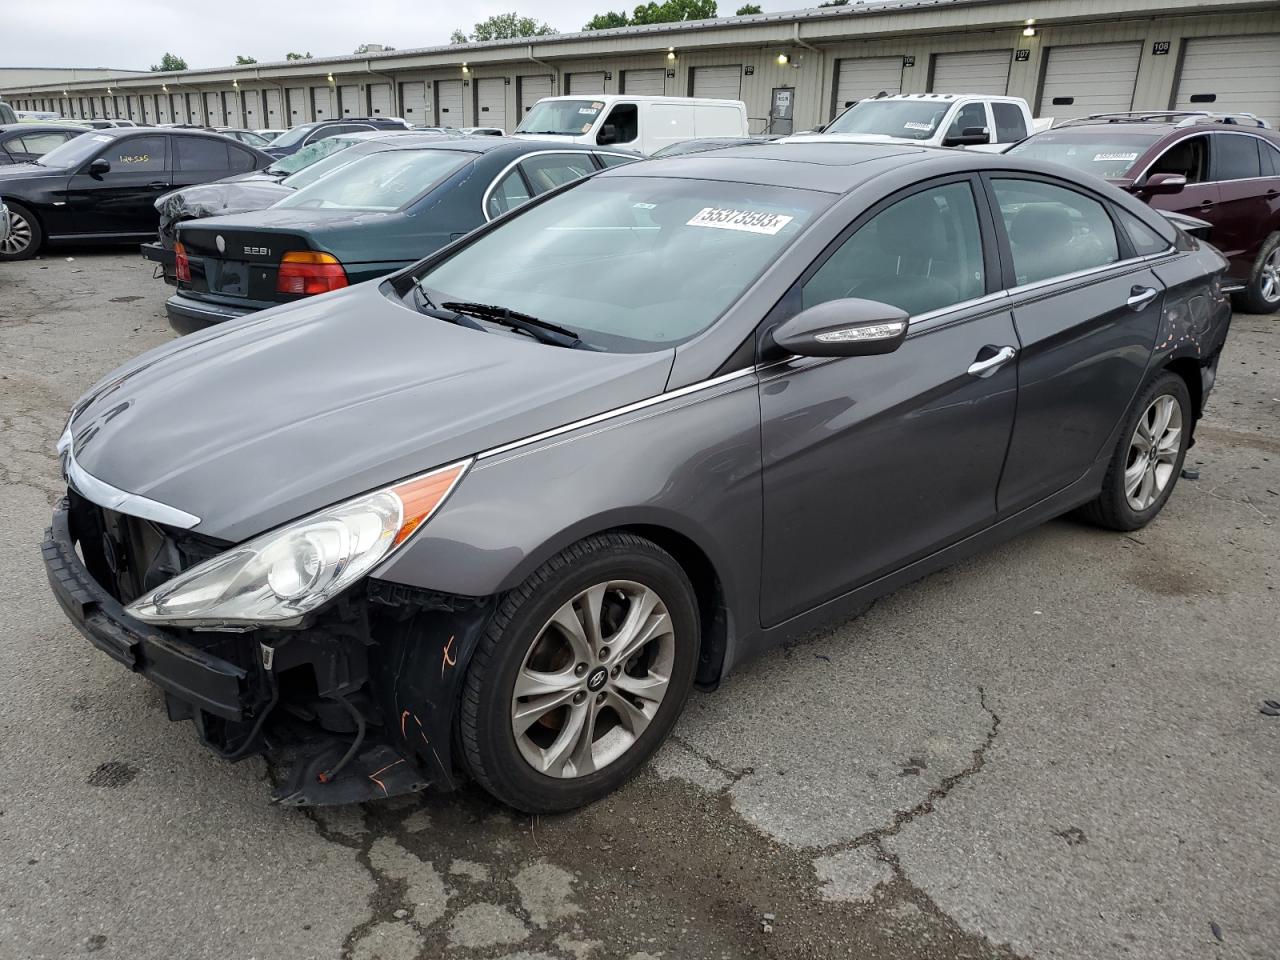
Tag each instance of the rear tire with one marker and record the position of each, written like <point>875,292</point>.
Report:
<point>1148,457</point>
<point>1262,293</point>
<point>598,700</point>
<point>25,235</point>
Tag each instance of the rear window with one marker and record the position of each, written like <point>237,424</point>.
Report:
<point>379,182</point>
<point>198,153</point>
<point>1104,153</point>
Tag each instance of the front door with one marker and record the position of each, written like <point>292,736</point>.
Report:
<point>1190,158</point>
<point>1087,312</point>
<point>873,462</point>
<point>121,201</point>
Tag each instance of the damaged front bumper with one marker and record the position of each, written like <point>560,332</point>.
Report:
<point>357,704</point>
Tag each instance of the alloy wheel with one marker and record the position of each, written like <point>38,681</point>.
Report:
<point>1270,287</point>
<point>593,679</point>
<point>1153,452</point>
<point>19,234</point>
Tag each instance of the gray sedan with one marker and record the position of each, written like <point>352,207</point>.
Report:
<point>497,515</point>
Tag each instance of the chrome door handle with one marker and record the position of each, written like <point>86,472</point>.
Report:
<point>984,368</point>
<point>1139,297</point>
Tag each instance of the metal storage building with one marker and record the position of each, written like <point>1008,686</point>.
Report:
<point>1066,57</point>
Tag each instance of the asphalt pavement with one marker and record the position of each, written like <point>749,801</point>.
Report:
<point>1053,750</point>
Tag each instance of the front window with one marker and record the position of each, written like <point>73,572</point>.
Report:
<point>1108,154</point>
<point>75,151</point>
<point>906,119</point>
<point>587,258</point>
<point>379,182</point>
<point>308,155</point>
<point>294,136</point>
<point>566,118</point>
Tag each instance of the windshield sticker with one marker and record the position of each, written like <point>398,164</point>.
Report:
<point>748,221</point>
<point>912,125</point>
<point>588,111</point>
<point>1104,157</point>
<point>99,138</point>
<point>586,128</point>
<point>644,206</point>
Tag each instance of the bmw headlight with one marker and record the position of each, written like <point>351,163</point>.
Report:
<point>282,575</point>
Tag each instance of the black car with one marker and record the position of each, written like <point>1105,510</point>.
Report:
<point>102,186</point>
<point>298,137</point>
<point>24,142</point>
<point>375,215</point>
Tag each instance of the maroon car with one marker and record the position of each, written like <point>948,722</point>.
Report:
<point>1221,168</point>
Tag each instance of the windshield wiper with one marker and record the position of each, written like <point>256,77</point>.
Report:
<point>558,133</point>
<point>540,330</point>
<point>424,306</point>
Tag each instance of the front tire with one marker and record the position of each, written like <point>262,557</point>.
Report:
<point>581,674</point>
<point>1148,457</point>
<point>1262,293</point>
<point>25,235</point>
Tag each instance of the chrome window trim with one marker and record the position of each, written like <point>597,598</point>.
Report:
<point>113,498</point>
<point>1083,274</point>
<point>493,184</point>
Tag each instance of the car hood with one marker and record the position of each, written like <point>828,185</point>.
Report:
<point>851,138</point>
<point>25,171</point>
<point>269,418</point>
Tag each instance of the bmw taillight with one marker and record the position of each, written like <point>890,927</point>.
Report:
<point>307,272</point>
<point>181,265</point>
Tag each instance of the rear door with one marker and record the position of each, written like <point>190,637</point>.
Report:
<point>121,202</point>
<point>873,462</point>
<point>1244,218</point>
<point>1087,311</point>
<point>199,160</point>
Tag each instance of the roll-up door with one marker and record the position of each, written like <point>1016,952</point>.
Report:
<point>587,83</point>
<point>644,83</point>
<point>379,100</point>
<point>533,89</point>
<point>491,103</point>
<point>231,108</point>
<point>274,118</point>
<point>1089,78</point>
<point>413,103</point>
<point>1231,75</point>
<point>134,110</point>
<point>719,83</point>
<point>349,101</point>
<point>984,72</point>
<point>253,116</point>
<point>297,100</point>
<point>322,103</point>
<point>449,103</point>
<point>863,77</point>
<point>213,110</point>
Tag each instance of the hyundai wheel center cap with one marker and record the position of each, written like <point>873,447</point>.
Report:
<point>597,678</point>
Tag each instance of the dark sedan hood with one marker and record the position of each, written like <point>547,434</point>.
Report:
<point>269,418</point>
<point>24,171</point>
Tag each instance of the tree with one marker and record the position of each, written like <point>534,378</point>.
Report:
<point>504,26</point>
<point>241,60</point>
<point>169,62</point>
<point>834,3</point>
<point>607,21</point>
<point>749,10</point>
<point>372,48</point>
<point>298,56</point>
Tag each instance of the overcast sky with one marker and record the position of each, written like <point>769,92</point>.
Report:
<point>133,34</point>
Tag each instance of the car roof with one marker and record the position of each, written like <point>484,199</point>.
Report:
<point>425,140</point>
<point>1155,126</point>
<point>40,125</point>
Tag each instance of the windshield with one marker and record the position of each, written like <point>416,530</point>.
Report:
<point>568,118</point>
<point>586,259</point>
<point>309,155</point>
<point>296,135</point>
<point>379,181</point>
<point>909,119</point>
<point>75,151</point>
<point>1104,154</point>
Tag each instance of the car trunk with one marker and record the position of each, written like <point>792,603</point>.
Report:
<point>240,264</point>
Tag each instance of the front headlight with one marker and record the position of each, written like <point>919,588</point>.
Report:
<point>280,576</point>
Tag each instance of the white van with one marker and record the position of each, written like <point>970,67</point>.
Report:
<point>643,124</point>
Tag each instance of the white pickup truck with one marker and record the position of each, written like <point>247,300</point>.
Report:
<point>977,121</point>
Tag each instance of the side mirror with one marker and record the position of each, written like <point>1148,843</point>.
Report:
<point>608,134</point>
<point>819,128</point>
<point>1163,183</point>
<point>843,328</point>
<point>968,137</point>
<point>99,167</point>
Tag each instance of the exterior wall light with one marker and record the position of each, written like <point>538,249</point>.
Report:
<point>329,78</point>
<point>1028,31</point>
<point>783,59</point>
<point>465,68</point>
<point>671,53</point>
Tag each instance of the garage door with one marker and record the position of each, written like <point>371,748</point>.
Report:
<point>1232,74</point>
<point>865,77</point>
<point>533,89</point>
<point>322,103</point>
<point>274,117</point>
<point>164,113</point>
<point>720,83</point>
<point>413,102</point>
<point>984,72</point>
<point>588,83</point>
<point>1091,78</point>
<point>297,97</point>
<point>349,101</point>
<point>231,108</point>
<point>253,116</point>
<point>135,112</point>
<point>379,100</point>
<point>449,103</point>
<point>491,103</point>
<point>644,83</point>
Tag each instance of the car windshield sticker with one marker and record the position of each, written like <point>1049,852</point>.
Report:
<point>912,125</point>
<point>1124,157</point>
<point>644,206</point>
<point>588,111</point>
<point>101,139</point>
<point>748,221</point>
